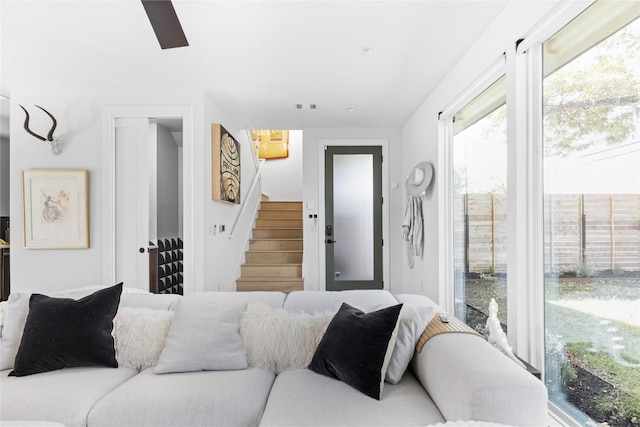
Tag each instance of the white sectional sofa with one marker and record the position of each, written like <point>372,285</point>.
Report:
<point>456,377</point>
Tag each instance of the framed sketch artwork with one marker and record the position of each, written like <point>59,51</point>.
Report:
<point>225,165</point>
<point>55,209</point>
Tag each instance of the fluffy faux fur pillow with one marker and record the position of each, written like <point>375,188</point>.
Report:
<point>279,340</point>
<point>140,335</point>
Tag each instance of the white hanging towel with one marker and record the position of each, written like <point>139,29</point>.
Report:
<point>412,228</point>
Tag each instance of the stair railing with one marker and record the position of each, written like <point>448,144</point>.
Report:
<point>257,163</point>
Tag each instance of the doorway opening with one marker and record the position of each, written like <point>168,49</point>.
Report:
<point>273,260</point>
<point>165,206</point>
<point>149,236</point>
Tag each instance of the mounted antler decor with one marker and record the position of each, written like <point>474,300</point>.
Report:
<point>52,142</point>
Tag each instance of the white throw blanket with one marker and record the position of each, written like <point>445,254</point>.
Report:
<point>412,231</point>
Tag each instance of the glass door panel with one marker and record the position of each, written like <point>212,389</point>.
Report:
<point>352,217</point>
<point>592,218</point>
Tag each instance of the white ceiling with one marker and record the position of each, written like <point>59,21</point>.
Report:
<point>256,59</point>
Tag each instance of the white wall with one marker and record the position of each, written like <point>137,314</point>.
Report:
<point>4,177</point>
<point>420,133</point>
<point>79,115</point>
<point>216,256</point>
<point>167,184</point>
<point>222,254</point>
<point>393,202</point>
<point>282,178</point>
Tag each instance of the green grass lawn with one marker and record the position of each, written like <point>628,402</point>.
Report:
<point>599,322</point>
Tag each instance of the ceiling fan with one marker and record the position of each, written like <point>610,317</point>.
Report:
<point>165,23</point>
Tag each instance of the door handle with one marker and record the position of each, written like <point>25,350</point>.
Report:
<point>330,241</point>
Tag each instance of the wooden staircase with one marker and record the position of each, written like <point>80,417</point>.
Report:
<point>274,259</point>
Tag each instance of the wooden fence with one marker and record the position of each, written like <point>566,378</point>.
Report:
<point>594,231</point>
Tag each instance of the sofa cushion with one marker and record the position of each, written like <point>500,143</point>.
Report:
<point>211,398</point>
<point>140,335</point>
<point>273,299</point>
<point>357,347</point>
<point>65,333</point>
<point>467,424</point>
<point>314,301</point>
<point>151,301</point>
<point>279,340</point>
<point>203,336</point>
<point>304,398</point>
<point>83,291</point>
<point>64,396</point>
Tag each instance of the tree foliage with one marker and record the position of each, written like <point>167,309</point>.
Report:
<point>594,99</point>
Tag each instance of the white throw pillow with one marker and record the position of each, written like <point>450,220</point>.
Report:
<point>16,312</point>
<point>140,335</point>
<point>203,337</point>
<point>279,340</point>
<point>413,321</point>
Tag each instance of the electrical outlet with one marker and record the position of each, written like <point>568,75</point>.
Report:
<point>222,228</point>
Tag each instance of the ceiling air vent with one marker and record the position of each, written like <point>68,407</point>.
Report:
<point>306,106</point>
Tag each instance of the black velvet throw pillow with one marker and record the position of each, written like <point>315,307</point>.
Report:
<point>356,348</point>
<point>65,333</point>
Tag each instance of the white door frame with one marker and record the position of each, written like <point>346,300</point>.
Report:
<point>190,215</point>
<point>322,258</point>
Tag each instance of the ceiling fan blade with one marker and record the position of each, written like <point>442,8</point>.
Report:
<point>165,23</point>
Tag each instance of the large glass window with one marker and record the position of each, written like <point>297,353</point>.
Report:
<point>591,165</point>
<point>480,207</point>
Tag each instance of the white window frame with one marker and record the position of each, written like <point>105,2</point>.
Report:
<point>445,185</point>
<point>525,269</point>
<point>522,64</point>
<point>527,64</point>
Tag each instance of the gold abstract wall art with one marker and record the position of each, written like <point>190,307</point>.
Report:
<point>271,144</point>
<point>225,165</point>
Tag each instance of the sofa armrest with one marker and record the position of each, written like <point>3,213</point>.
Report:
<point>468,379</point>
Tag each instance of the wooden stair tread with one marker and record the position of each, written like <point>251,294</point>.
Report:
<point>277,238</point>
<point>277,251</point>
<point>277,264</point>
<point>274,262</point>
<point>282,202</point>
<point>280,228</point>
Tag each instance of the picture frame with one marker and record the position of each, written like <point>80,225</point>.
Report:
<point>55,208</point>
<point>225,165</point>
